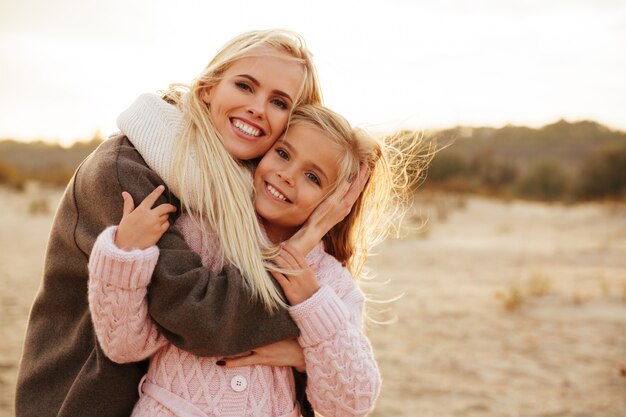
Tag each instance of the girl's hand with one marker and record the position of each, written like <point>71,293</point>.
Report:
<point>302,283</point>
<point>143,226</point>
<point>283,353</point>
<point>330,212</point>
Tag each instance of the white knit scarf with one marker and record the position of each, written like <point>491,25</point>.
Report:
<point>153,126</point>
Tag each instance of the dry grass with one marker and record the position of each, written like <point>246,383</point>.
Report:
<point>453,350</point>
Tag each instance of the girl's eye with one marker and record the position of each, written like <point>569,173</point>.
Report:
<point>282,154</point>
<point>280,103</point>
<point>243,86</point>
<point>311,176</point>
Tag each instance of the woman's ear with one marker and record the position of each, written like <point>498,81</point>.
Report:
<point>205,94</point>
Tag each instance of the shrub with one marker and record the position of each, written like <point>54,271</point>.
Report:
<point>603,174</point>
<point>546,180</point>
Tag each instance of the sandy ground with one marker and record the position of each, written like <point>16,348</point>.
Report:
<point>509,309</point>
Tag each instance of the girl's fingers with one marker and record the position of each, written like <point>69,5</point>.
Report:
<point>298,260</point>
<point>285,260</point>
<point>149,201</point>
<point>357,185</point>
<point>280,278</point>
<point>129,205</point>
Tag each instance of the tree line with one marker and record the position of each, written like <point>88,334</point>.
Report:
<point>562,161</point>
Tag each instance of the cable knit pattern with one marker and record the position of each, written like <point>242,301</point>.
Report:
<point>343,376</point>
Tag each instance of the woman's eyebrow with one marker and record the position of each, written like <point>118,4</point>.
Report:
<point>257,83</point>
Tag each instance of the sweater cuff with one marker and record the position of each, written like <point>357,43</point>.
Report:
<point>124,269</point>
<point>319,317</point>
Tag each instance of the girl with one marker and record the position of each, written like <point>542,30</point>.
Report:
<point>319,151</point>
<point>237,108</point>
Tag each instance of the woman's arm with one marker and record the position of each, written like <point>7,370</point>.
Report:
<point>181,290</point>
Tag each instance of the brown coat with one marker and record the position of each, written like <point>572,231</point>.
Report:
<point>63,371</point>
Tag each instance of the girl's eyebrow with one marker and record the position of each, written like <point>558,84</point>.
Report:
<point>293,151</point>
<point>257,83</point>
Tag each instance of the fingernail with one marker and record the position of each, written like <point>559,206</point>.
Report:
<point>220,363</point>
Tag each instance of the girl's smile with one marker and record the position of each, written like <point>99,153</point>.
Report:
<point>295,175</point>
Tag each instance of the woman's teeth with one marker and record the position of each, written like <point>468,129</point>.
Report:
<point>275,193</point>
<point>246,128</point>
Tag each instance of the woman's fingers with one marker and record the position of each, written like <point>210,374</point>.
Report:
<point>246,360</point>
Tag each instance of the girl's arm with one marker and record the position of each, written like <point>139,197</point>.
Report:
<point>343,377</point>
<point>120,267</point>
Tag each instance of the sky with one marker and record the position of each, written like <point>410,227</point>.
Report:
<point>69,67</point>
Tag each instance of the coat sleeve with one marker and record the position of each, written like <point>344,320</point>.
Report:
<point>342,375</point>
<point>118,282</point>
<point>205,313</point>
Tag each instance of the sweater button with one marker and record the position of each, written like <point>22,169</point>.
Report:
<point>238,383</point>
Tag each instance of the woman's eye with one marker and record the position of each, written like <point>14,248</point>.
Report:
<point>243,86</point>
<point>280,103</point>
<point>311,176</point>
<point>281,153</point>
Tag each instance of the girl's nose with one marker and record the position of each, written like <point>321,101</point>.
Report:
<point>286,176</point>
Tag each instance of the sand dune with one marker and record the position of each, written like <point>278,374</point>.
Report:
<point>509,309</point>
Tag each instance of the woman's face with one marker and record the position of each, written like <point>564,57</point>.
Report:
<point>250,106</point>
<point>293,177</point>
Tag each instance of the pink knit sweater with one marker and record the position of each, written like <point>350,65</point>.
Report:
<point>343,378</point>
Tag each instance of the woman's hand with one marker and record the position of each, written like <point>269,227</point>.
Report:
<point>331,211</point>
<point>301,283</point>
<point>283,353</point>
<point>143,226</point>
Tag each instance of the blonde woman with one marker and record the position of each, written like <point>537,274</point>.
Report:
<point>318,152</point>
<point>63,371</point>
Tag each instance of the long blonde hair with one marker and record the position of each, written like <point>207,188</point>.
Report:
<point>396,162</point>
<point>221,201</point>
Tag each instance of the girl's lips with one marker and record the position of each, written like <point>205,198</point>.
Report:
<point>274,197</point>
<point>239,132</point>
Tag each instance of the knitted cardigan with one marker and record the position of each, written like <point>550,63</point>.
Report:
<point>343,378</point>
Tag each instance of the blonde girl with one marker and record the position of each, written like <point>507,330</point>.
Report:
<point>318,152</point>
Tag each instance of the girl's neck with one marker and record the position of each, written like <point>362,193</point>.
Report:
<point>276,233</point>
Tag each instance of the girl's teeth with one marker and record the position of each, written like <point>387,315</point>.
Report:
<point>275,193</point>
<point>246,128</point>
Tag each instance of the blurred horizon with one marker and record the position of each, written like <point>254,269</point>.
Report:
<point>69,67</point>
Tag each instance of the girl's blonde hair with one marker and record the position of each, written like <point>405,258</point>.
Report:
<point>397,162</point>
<point>221,200</point>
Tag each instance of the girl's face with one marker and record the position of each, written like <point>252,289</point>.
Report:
<point>250,106</point>
<point>295,175</point>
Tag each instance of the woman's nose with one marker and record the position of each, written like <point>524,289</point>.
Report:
<point>256,107</point>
